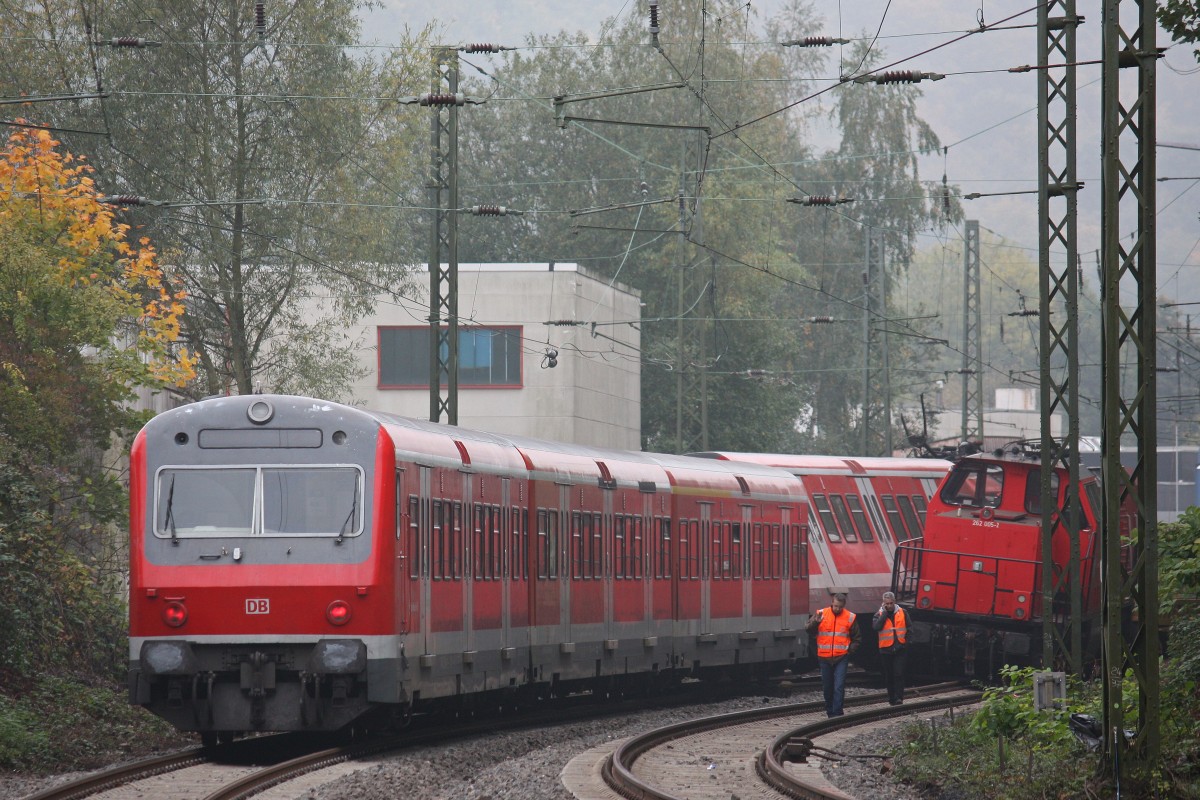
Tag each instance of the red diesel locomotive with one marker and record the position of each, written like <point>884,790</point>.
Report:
<point>975,577</point>
<point>298,564</point>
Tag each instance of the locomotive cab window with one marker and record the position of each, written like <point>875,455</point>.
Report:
<point>1033,491</point>
<point>317,501</point>
<point>974,485</point>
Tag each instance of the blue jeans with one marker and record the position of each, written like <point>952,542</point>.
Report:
<point>833,681</point>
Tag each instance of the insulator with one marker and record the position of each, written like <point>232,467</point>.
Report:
<point>477,47</point>
<point>131,41</point>
<point>124,200</point>
<point>260,19</point>
<point>654,17</point>
<point>443,99</point>
<point>816,41</point>
<point>821,320</point>
<point>819,200</point>
<point>489,211</point>
<point>899,76</point>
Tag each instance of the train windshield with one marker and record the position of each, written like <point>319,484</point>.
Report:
<point>258,501</point>
<point>974,484</point>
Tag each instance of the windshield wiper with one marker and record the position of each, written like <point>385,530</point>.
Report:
<point>349,517</point>
<point>169,520</point>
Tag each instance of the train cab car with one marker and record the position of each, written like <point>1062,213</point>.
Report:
<point>974,579</point>
<point>297,564</point>
<point>859,509</point>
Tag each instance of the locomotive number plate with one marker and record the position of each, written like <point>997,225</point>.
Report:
<point>258,605</point>
<point>978,523</point>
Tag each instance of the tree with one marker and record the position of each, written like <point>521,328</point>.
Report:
<point>85,316</point>
<point>284,161</point>
<point>1181,19</point>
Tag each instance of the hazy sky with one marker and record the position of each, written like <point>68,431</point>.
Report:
<point>987,119</point>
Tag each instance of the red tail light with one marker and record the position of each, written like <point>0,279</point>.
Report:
<point>175,614</point>
<point>338,612</point>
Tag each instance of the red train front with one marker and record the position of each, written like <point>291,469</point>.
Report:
<point>975,577</point>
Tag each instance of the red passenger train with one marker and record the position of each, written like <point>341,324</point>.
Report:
<point>302,565</point>
<point>975,577</point>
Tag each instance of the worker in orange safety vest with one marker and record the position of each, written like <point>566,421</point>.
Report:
<point>837,637</point>
<point>891,621</point>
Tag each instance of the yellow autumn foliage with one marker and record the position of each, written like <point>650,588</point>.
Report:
<point>50,191</point>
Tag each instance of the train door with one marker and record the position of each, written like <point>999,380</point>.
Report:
<point>704,547</point>
<point>424,517</point>
<point>794,568</point>
<point>743,537</point>
<point>407,569</point>
<point>509,560</point>
<point>470,559</point>
<point>608,556</point>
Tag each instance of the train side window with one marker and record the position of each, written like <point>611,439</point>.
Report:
<point>860,518</point>
<point>577,545</point>
<point>662,568</point>
<point>547,532</point>
<point>1033,491</point>
<point>736,551</point>
<point>877,517</point>
<point>478,537</point>
<point>827,520</point>
<point>893,515</point>
<point>797,552</point>
<point>843,518</point>
<point>921,506</point>
<point>910,515</point>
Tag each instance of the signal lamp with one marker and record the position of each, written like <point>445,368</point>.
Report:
<point>338,612</point>
<point>175,614</point>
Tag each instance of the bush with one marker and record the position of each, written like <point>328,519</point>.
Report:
<point>63,724</point>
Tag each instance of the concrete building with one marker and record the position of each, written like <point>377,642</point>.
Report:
<point>513,317</point>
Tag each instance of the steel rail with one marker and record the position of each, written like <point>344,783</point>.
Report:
<point>137,770</point>
<point>771,762</point>
<point>617,769</point>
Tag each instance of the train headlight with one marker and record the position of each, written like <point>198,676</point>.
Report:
<point>1021,598</point>
<point>925,602</point>
<point>1019,613</point>
<point>175,614</point>
<point>338,612</point>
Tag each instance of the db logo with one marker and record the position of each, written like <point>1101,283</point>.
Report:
<point>258,606</point>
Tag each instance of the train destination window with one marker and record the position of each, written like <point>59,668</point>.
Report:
<point>827,520</point>
<point>324,501</point>
<point>974,485</point>
<point>920,504</point>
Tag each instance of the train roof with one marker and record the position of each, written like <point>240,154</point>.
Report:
<point>926,467</point>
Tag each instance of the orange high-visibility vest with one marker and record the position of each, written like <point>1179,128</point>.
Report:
<point>833,634</point>
<point>894,629</point>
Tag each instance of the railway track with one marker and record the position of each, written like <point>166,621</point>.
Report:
<point>751,753</point>
<point>246,767</point>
